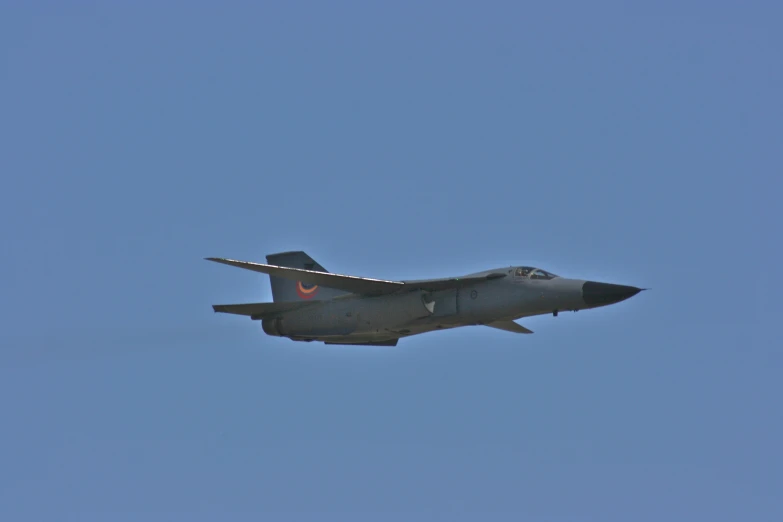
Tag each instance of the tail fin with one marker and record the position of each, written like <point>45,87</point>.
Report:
<point>285,290</point>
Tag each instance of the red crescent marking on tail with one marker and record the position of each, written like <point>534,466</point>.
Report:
<point>306,293</point>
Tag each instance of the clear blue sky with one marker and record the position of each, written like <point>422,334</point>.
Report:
<point>398,140</point>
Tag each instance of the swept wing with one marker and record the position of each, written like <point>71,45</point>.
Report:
<point>354,284</point>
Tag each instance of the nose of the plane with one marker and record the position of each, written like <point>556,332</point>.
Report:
<point>600,294</point>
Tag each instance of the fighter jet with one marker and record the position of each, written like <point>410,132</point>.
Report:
<point>312,304</point>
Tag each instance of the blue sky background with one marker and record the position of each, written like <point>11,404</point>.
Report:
<point>635,145</point>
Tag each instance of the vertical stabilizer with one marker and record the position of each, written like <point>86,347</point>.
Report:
<point>285,290</point>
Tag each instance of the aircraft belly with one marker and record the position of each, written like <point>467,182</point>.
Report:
<point>413,329</point>
<point>356,338</point>
<point>329,319</point>
<point>371,316</point>
<point>389,312</point>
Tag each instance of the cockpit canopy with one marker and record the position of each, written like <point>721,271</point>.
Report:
<point>533,273</point>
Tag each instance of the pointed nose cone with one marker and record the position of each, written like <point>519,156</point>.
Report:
<point>602,294</point>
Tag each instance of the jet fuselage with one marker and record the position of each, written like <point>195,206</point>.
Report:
<point>368,319</point>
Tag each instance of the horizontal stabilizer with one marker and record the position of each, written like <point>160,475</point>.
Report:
<point>259,310</point>
<point>509,326</point>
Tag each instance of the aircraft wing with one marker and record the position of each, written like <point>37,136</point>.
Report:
<point>354,284</point>
<point>433,285</point>
<point>260,310</point>
<point>509,326</point>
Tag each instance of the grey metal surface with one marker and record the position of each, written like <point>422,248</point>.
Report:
<point>342,309</point>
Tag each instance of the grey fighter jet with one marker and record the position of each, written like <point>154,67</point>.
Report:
<point>311,304</point>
